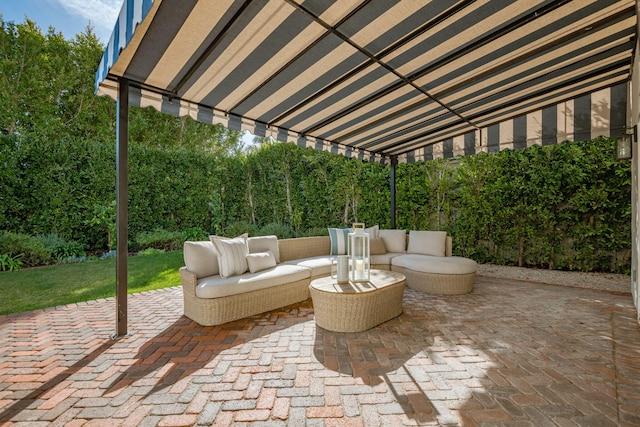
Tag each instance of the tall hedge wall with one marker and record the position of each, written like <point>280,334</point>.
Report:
<point>564,206</point>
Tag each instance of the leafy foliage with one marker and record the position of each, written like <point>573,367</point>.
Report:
<point>60,248</point>
<point>150,251</point>
<point>563,206</point>
<point>10,263</point>
<point>104,219</point>
<point>194,234</point>
<point>32,252</point>
<point>241,227</point>
<point>160,239</point>
<point>280,230</point>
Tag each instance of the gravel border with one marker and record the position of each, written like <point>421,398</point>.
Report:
<point>600,281</point>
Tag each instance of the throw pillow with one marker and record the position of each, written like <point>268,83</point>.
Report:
<point>339,240</point>
<point>394,240</point>
<point>427,242</point>
<point>232,255</point>
<point>377,247</point>
<point>263,244</point>
<point>261,261</point>
<point>201,258</point>
<point>373,231</point>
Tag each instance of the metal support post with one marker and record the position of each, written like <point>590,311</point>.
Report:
<point>122,205</point>
<point>394,163</point>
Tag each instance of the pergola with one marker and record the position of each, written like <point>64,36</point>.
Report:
<point>386,81</point>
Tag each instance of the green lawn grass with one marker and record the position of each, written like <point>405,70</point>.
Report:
<point>52,286</point>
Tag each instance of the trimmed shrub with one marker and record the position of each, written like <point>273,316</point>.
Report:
<point>32,250</point>
<point>69,249</point>
<point>283,231</point>
<point>61,248</point>
<point>194,234</point>
<point>150,251</point>
<point>160,239</point>
<point>240,227</point>
<point>315,231</point>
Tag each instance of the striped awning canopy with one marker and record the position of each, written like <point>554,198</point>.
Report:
<point>376,78</point>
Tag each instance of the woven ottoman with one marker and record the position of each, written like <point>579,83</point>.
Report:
<point>450,275</point>
<point>356,307</point>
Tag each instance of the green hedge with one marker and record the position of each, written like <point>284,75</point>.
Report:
<point>28,249</point>
<point>562,206</point>
<point>565,206</point>
<point>160,239</point>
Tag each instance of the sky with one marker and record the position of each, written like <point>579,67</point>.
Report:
<point>71,17</point>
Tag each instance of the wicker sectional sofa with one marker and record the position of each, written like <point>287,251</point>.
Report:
<point>211,299</point>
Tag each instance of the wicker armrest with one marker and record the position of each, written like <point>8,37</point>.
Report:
<point>189,281</point>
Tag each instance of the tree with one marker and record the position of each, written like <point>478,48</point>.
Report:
<point>46,84</point>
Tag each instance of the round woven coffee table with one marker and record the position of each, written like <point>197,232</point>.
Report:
<point>356,307</point>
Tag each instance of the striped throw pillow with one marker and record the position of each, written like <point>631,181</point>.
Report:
<point>339,240</point>
<point>232,255</point>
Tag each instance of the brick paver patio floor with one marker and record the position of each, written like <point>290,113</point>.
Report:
<point>510,353</point>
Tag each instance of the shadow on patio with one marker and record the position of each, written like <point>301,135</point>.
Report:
<point>510,353</point>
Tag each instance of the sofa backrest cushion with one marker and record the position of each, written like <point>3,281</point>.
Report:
<point>374,231</point>
<point>200,258</point>
<point>339,240</point>
<point>264,244</point>
<point>427,242</point>
<point>377,247</point>
<point>394,240</point>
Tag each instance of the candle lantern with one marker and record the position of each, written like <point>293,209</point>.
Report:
<point>358,250</point>
<point>624,146</point>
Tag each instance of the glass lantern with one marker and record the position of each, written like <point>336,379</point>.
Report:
<point>624,145</point>
<point>358,251</point>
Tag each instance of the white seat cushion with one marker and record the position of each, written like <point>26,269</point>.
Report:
<point>436,264</point>
<point>216,286</point>
<point>384,259</point>
<point>319,266</point>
